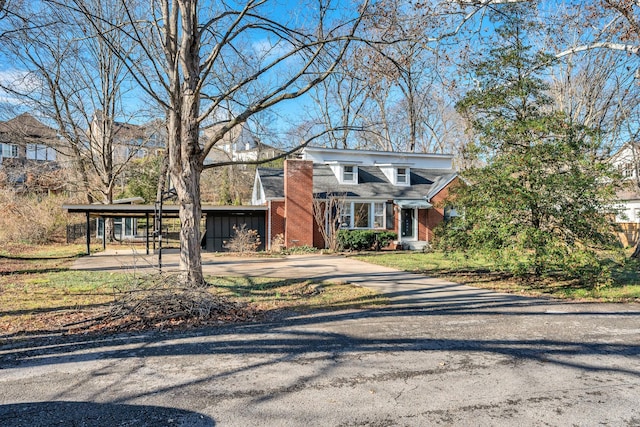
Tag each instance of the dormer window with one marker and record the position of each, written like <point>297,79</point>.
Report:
<point>345,173</point>
<point>398,174</point>
<point>402,176</point>
<point>349,174</point>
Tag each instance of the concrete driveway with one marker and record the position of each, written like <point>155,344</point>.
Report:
<point>440,354</point>
<point>404,289</point>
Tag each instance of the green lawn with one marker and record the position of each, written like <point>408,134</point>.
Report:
<point>480,272</point>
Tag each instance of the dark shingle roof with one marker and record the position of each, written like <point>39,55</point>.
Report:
<point>372,183</point>
<point>272,182</point>
<point>26,126</point>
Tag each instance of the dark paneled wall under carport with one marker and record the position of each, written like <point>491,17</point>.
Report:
<point>220,228</point>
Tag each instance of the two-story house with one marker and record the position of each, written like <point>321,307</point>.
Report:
<point>129,140</point>
<point>238,145</point>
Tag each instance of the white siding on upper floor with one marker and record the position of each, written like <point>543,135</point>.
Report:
<point>377,158</point>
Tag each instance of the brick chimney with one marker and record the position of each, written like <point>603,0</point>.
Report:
<point>298,202</point>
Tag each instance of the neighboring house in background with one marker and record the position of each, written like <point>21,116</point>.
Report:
<point>238,145</point>
<point>228,181</point>
<point>379,190</point>
<point>28,154</point>
<point>130,141</point>
<point>627,161</point>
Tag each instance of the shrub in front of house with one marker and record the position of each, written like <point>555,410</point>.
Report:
<point>244,240</point>
<point>365,240</point>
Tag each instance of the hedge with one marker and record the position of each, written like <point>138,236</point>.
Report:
<point>364,240</point>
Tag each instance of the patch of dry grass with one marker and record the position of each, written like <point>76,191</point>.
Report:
<point>276,294</point>
<point>38,293</point>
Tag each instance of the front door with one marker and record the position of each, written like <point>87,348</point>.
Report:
<point>407,224</point>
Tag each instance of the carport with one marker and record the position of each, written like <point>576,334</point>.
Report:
<point>220,220</point>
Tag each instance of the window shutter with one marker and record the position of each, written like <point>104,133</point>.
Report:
<point>389,220</point>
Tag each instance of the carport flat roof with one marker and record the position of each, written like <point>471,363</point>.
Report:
<point>123,210</point>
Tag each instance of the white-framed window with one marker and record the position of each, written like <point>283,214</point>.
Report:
<point>345,217</point>
<point>378,215</point>
<point>363,215</point>
<point>402,176</point>
<point>349,174</point>
<point>122,227</point>
<point>626,169</point>
<point>40,152</point>
<point>9,150</point>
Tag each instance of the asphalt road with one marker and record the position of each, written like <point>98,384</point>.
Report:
<point>440,354</point>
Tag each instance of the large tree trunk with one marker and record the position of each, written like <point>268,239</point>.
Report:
<point>185,171</point>
<point>185,165</point>
<point>188,190</point>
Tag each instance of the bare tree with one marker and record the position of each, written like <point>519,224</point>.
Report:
<point>73,79</point>
<point>390,94</point>
<point>611,86</point>
<point>341,100</point>
<point>598,91</point>
<point>328,213</point>
<point>203,58</point>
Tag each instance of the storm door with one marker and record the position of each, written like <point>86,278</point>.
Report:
<point>407,224</point>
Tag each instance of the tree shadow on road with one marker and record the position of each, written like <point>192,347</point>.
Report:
<point>63,413</point>
<point>423,319</point>
<point>291,335</point>
<point>434,319</point>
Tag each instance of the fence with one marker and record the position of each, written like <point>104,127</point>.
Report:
<point>79,231</point>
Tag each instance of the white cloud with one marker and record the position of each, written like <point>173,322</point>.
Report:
<point>19,81</point>
<point>266,49</point>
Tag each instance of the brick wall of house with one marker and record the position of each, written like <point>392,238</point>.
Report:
<point>435,215</point>
<point>277,218</point>
<point>423,219</point>
<point>298,190</point>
